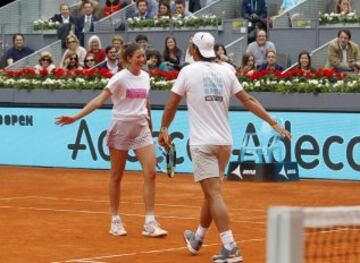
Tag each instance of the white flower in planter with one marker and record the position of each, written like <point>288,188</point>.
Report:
<point>104,81</point>
<point>49,81</point>
<point>313,81</point>
<point>80,80</point>
<point>23,81</point>
<point>9,81</point>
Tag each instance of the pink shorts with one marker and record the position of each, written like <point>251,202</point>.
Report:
<point>123,135</point>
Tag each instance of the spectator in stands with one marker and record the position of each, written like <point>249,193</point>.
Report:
<point>154,61</point>
<point>343,7</point>
<point>287,4</point>
<point>64,16</point>
<point>111,6</point>
<point>94,47</point>
<point>85,22</point>
<point>143,41</point>
<point>247,64</point>
<point>304,62</point>
<point>259,48</point>
<point>255,11</point>
<point>180,9</point>
<point>67,23</point>
<point>71,62</point>
<point>142,10</point>
<point>164,9</point>
<point>194,5</point>
<point>95,4</point>
<point>153,8</point>
<point>172,54</point>
<point>221,54</point>
<point>89,61</point>
<point>73,45</point>
<point>344,54</point>
<point>45,63</point>
<point>18,51</point>
<point>111,63</point>
<point>189,59</point>
<point>117,42</point>
<point>270,62</point>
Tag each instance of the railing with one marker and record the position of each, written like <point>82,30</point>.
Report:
<point>31,60</point>
<point>307,10</point>
<point>236,50</point>
<point>116,20</point>
<point>319,57</point>
<point>225,9</point>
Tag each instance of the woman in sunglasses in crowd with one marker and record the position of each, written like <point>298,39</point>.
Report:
<point>45,63</point>
<point>73,45</point>
<point>71,62</point>
<point>89,61</point>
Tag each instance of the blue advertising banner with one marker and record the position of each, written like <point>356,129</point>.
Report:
<point>325,145</point>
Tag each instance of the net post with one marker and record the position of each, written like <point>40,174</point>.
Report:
<point>285,235</point>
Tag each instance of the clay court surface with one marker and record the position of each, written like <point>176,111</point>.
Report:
<point>61,215</point>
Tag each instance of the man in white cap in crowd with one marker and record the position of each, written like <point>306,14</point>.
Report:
<point>208,86</point>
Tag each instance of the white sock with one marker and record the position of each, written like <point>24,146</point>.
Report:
<point>227,239</point>
<point>116,217</point>
<point>149,218</point>
<point>200,232</point>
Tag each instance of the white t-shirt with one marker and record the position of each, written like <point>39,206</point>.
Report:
<point>208,87</point>
<point>129,95</point>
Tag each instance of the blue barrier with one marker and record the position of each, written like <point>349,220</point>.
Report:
<point>325,145</point>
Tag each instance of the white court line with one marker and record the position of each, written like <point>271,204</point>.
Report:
<point>125,214</point>
<point>106,201</point>
<point>95,259</point>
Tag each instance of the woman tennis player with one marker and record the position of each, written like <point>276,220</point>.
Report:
<point>130,129</point>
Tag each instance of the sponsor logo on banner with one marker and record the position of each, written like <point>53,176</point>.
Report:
<point>302,153</point>
<point>16,120</point>
<point>249,172</point>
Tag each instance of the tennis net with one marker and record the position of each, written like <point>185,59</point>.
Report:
<point>313,235</point>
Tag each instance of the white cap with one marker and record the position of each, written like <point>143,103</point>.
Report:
<point>205,43</point>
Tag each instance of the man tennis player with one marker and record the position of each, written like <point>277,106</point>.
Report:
<point>208,86</point>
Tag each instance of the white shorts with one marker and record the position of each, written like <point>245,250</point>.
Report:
<point>123,135</point>
<point>209,160</point>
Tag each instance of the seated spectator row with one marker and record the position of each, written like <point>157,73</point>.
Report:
<point>343,55</point>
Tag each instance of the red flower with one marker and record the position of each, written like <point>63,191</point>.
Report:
<point>89,72</point>
<point>43,73</point>
<point>104,72</point>
<point>169,75</point>
<point>58,72</point>
<point>77,72</point>
<point>328,72</point>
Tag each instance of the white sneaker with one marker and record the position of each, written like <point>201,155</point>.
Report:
<point>117,228</point>
<point>153,229</point>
